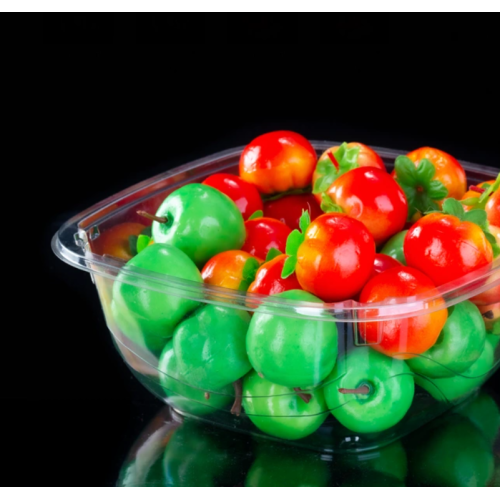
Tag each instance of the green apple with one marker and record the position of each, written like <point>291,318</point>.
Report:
<point>183,396</point>
<point>369,392</point>
<point>394,247</point>
<point>210,347</point>
<point>279,411</point>
<point>149,317</point>
<point>460,386</point>
<point>289,351</point>
<point>201,221</point>
<point>459,346</point>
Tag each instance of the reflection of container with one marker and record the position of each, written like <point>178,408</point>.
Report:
<point>173,451</point>
<point>74,243</point>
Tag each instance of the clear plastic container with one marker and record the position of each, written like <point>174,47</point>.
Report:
<point>77,243</point>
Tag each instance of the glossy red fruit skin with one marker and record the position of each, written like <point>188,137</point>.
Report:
<point>278,161</point>
<point>407,337</point>
<point>289,209</point>
<point>383,263</point>
<point>445,248</point>
<point>336,258</point>
<point>373,197</point>
<point>244,194</point>
<point>268,280</point>
<point>263,234</point>
<point>493,209</point>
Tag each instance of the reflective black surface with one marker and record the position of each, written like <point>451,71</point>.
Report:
<point>462,448</point>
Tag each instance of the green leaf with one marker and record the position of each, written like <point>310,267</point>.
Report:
<point>323,183</point>
<point>324,167</point>
<point>256,215</point>
<point>249,270</point>
<point>478,217</point>
<point>406,172</point>
<point>304,221</point>
<point>295,239</point>
<point>493,243</point>
<point>328,206</point>
<point>289,266</point>
<point>272,254</point>
<point>491,189</point>
<point>425,172</point>
<point>470,202</point>
<point>147,231</point>
<point>453,207</point>
<point>132,241</point>
<point>424,204</point>
<point>142,242</point>
<point>347,159</point>
<point>437,190</point>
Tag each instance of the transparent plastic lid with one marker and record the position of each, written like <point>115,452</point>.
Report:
<point>74,243</point>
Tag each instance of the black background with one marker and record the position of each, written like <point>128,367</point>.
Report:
<point>110,116</point>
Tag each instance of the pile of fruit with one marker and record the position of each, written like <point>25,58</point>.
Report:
<point>324,231</point>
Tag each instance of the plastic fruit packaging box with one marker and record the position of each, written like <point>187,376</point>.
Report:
<point>338,374</point>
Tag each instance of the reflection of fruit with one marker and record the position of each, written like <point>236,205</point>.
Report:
<point>148,317</point>
<point>245,195</point>
<point>448,169</point>
<point>279,411</point>
<point>340,159</point>
<point>383,263</point>
<point>402,338</point>
<point>394,247</point>
<point>459,386</point>
<point>210,346</point>
<point>384,387</point>
<point>264,233</point>
<point>336,258</point>
<point>282,466</point>
<point>201,221</point>
<point>234,269</point>
<point>459,345</point>
<point>373,197</point>
<point>277,162</point>
<point>115,241</point>
<point>445,248</point>
<point>455,453</point>
<point>290,351</point>
<point>484,413</point>
<point>268,280</point>
<point>195,457</point>
<point>289,209</point>
<point>184,397</point>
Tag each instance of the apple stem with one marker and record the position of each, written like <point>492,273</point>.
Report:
<point>161,220</point>
<point>489,315</point>
<point>207,395</point>
<point>333,160</point>
<point>238,393</point>
<point>305,397</point>
<point>364,389</point>
<point>477,189</point>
